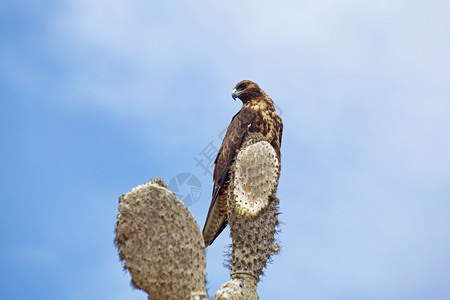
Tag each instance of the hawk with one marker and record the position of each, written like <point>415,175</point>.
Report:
<point>257,115</point>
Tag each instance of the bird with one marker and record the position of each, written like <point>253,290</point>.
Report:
<point>257,115</point>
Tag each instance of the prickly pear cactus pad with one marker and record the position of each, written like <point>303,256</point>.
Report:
<point>239,287</point>
<point>255,178</point>
<point>160,243</point>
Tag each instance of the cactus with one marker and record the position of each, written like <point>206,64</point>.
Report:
<point>162,247</point>
<point>252,211</point>
<point>160,243</point>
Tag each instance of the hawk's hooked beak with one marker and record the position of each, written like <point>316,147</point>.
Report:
<point>235,94</point>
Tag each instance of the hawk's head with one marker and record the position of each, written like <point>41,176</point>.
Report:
<point>246,90</point>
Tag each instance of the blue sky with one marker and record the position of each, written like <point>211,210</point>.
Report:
<point>97,97</point>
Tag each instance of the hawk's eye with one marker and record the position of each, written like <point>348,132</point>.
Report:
<point>242,86</point>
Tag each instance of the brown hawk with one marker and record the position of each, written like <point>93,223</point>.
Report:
<point>257,115</point>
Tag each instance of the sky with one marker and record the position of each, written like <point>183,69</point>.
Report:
<point>97,97</point>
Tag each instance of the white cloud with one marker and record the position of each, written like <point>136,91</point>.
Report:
<point>129,53</point>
